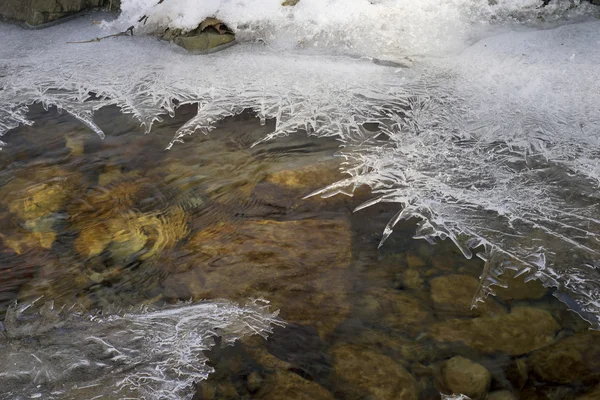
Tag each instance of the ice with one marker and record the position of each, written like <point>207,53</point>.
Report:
<point>495,147</point>
<point>146,353</point>
<point>364,27</point>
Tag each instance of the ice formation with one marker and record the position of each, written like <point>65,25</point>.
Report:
<point>148,353</point>
<point>496,145</point>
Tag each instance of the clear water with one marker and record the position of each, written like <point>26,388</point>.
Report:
<point>238,228</point>
<point>481,129</point>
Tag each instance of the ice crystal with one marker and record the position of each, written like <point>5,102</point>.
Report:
<point>496,148</point>
<point>147,353</point>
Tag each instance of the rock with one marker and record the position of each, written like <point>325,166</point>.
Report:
<point>518,289</point>
<point>307,178</point>
<point>210,35</point>
<point>38,12</point>
<point>523,330</point>
<point>461,375</point>
<point>254,382</point>
<point>289,3</point>
<point>501,395</point>
<point>411,279</point>
<point>204,42</point>
<point>594,393</point>
<point>287,385</point>
<point>453,294</point>
<point>414,261</point>
<point>278,380</point>
<point>363,372</point>
<point>575,359</point>
<point>395,309</point>
<point>300,266</point>
<point>39,191</point>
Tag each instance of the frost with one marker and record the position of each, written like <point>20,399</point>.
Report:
<point>496,148</point>
<point>145,353</point>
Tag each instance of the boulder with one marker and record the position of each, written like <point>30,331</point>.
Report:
<point>523,330</point>
<point>461,375</point>
<point>39,12</point>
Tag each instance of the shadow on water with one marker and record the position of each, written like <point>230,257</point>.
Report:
<point>123,222</point>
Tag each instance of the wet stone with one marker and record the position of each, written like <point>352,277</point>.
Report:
<point>395,309</point>
<point>299,266</point>
<point>289,385</point>
<point>501,395</point>
<point>461,375</point>
<point>453,294</point>
<point>592,394</point>
<point>523,330</point>
<point>363,372</point>
<point>575,359</point>
<point>414,261</point>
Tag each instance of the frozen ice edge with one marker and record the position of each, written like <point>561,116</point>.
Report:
<point>486,148</point>
<point>143,353</point>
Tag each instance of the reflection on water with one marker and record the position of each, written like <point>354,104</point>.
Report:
<point>121,222</point>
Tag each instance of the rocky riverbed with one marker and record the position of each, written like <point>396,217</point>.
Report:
<point>122,222</point>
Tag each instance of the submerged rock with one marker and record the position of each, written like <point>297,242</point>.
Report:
<point>575,359</point>
<point>300,266</point>
<point>501,395</point>
<point>366,373</point>
<point>285,384</point>
<point>395,309</point>
<point>461,375</point>
<point>38,12</point>
<point>523,330</point>
<point>454,294</point>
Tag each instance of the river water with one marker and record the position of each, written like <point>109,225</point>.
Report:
<point>278,252</point>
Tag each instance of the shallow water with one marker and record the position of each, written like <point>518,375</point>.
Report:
<point>120,222</point>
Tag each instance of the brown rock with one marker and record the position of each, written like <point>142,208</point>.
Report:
<point>309,177</point>
<point>454,294</point>
<point>396,309</point>
<point>300,266</point>
<point>461,375</point>
<point>523,330</point>
<point>570,360</point>
<point>288,385</point>
<point>501,395</point>
<point>367,373</point>
<point>593,394</point>
<point>414,261</point>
